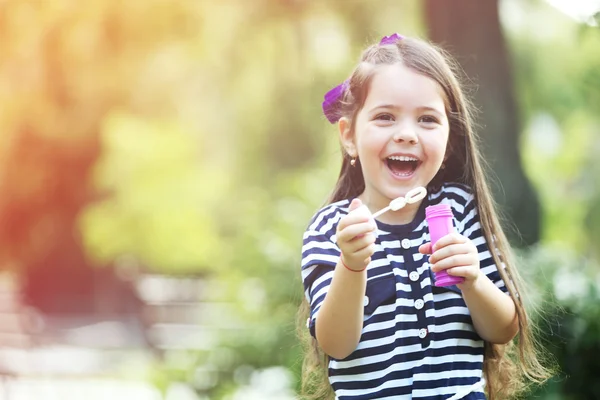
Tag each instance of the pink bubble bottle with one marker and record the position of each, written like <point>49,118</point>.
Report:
<point>439,219</point>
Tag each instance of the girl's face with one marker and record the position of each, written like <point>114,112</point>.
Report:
<point>400,134</point>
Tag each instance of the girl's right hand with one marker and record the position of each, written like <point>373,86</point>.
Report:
<point>356,236</point>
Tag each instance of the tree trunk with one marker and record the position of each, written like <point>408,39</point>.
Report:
<point>470,30</point>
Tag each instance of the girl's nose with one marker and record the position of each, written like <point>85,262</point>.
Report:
<point>405,133</point>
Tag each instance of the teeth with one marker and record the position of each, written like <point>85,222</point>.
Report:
<point>403,158</point>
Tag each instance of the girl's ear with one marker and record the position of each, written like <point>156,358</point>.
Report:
<point>346,137</point>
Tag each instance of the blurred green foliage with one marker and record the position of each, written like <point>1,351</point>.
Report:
<point>153,196</point>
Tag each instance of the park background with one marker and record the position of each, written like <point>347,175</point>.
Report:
<point>159,162</point>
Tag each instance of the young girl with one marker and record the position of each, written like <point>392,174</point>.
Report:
<point>379,327</point>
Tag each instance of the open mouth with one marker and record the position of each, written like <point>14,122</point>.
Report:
<point>402,165</point>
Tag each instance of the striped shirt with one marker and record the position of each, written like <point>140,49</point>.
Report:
<point>418,340</point>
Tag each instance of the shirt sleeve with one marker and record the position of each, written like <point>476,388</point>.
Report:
<point>319,257</point>
<point>469,226</point>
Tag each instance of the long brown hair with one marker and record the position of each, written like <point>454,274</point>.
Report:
<point>508,368</point>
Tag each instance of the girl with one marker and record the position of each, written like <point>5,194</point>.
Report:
<point>379,327</point>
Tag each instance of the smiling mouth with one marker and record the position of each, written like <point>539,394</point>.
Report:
<point>402,165</point>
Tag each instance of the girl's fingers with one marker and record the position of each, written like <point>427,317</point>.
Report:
<point>365,252</point>
<point>457,260</point>
<point>425,248</point>
<point>456,254</point>
<point>360,255</point>
<point>358,244</point>
<point>357,213</point>
<point>451,238</point>
<point>351,232</point>
<point>467,272</point>
<point>356,203</point>
<point>353,219</point>
<point>450,250</point>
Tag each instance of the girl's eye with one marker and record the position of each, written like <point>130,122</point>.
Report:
<point>428,119</point>
<point>385,117</point>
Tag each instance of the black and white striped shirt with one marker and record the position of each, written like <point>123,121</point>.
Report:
<point>418,340</point>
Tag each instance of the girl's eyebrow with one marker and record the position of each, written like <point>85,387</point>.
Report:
<point>395,107</point>
<point>432,109</point>
<point>386,106</point>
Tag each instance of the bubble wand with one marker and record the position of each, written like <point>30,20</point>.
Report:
<point>411,197</point>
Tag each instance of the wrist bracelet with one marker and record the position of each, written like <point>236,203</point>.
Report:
<point>350,269</point>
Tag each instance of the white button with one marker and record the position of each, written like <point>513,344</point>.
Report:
<point>406,243</point>
<point>422,333</point>
<point>366,301</point>
<point>414,276</point>
<point>419,304</point>
<point>308,322</point>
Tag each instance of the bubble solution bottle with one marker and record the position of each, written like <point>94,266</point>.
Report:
<point>439,219</point>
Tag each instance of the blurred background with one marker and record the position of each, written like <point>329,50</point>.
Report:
<point>160,160</point>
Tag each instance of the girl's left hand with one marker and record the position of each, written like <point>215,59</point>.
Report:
<point>457,255</point>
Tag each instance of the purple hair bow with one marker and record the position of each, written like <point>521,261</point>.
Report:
<point>331,101</point>
<point>390,39</point>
